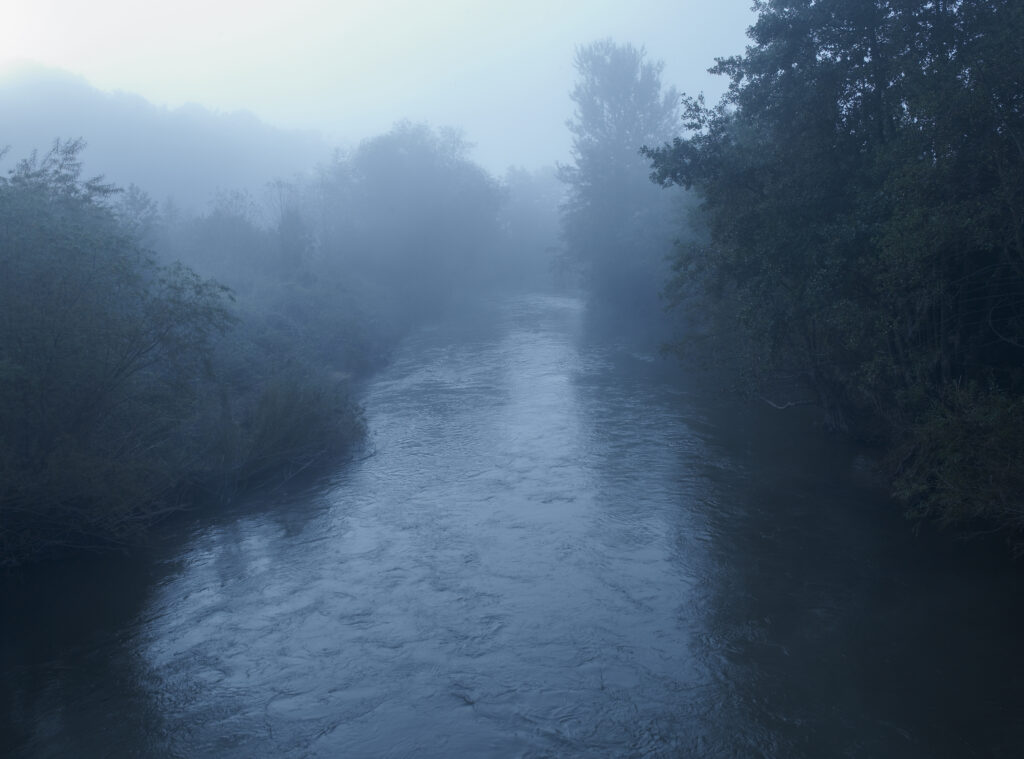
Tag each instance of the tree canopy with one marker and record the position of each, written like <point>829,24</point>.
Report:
<point>862,189</point>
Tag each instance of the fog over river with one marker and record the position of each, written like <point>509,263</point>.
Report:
<point>554,546</point>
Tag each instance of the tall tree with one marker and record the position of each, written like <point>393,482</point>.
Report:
<point>612,222</point>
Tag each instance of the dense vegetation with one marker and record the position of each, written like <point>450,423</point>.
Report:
<point>102,361</point>
<point>861,195</point>
<point>149,356</point>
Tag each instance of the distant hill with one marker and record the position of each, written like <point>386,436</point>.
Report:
<point>187,153</point>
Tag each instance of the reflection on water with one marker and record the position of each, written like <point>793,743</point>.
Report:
<point>555,550</point>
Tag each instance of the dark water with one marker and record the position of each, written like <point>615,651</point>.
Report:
<point>558,548</point>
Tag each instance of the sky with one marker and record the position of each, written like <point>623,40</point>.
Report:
<point>501,71</point>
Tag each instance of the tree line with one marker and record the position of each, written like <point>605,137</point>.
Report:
<point>152,358</point>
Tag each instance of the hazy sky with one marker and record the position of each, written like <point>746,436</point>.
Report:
<point>350,68</point>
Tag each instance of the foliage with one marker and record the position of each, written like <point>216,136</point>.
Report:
<point>862,192</point>
<point>613,222</point>
<point>328,274</point>
<point>127,383</point>
<point>961,461</point>
<point>102,352</point>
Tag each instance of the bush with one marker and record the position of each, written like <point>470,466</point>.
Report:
<point>963,462</point>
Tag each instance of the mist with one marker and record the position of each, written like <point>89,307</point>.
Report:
<point>566,379</point>
<point>351,70</point>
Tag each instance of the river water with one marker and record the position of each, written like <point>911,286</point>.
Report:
<point>555,546</point>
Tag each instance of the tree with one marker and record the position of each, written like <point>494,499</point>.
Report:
<point>862,192</point>
<point>101,354</point>
<point>613,224</point>
<point>421,217</point>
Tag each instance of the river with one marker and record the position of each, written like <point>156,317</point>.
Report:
<point>555,545</point>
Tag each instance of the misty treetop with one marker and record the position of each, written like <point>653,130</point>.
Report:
<point>621,105</point>
<point>862,192</point>
<point>416,211</point>
<point>615,225</point>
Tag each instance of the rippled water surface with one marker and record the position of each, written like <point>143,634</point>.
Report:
<point>556,546</point>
